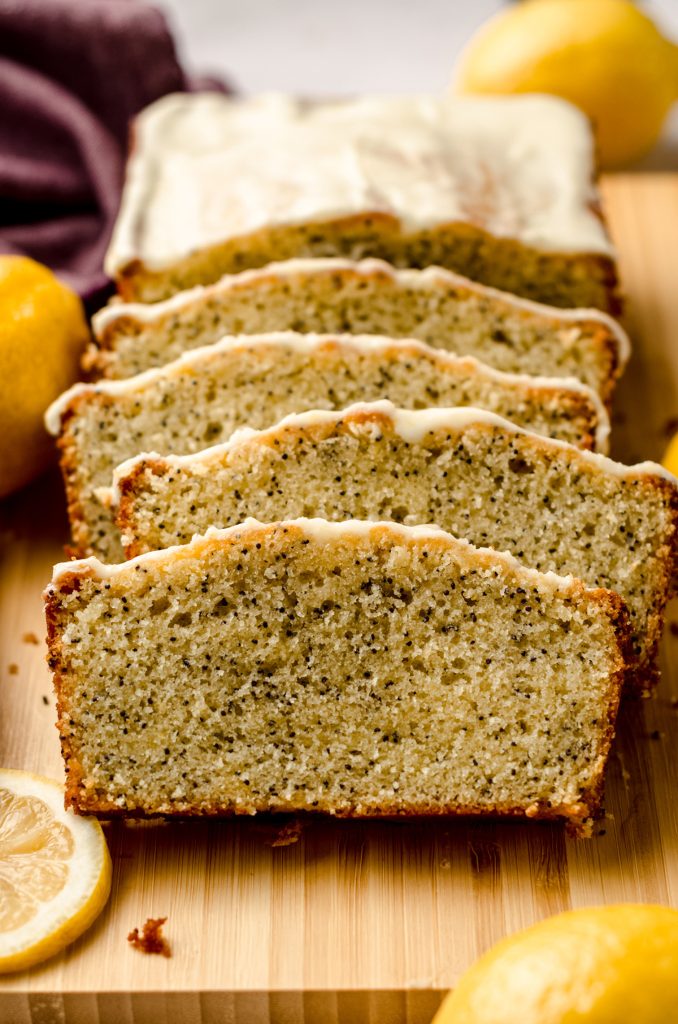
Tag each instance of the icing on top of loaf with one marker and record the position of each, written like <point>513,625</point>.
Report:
<point>207,168</point>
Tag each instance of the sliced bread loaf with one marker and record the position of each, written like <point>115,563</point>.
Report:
<point>206,394</point>
<point>369,297</point>
<point>469,472</point>
<point>350,668</point>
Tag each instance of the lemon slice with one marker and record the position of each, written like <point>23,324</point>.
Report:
<point>55,870</point>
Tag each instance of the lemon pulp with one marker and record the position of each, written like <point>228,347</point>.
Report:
<point>55,870</point>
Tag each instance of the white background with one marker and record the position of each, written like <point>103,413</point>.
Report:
<point>335,47</point>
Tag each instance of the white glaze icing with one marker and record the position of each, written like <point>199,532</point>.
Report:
<point>323,532</point>
<point>206,168</point>
<point>307,343</point>
<point>430,277</point>
<point>411,425</point>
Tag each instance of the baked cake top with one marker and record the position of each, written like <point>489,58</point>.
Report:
<point>206,168</point>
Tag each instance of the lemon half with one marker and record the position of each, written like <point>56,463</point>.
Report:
<point>55,870</point>
<point>42,334</point>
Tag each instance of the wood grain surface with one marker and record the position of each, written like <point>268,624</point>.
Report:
<point>355,921</point>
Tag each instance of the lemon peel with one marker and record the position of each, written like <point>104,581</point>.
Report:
<point>42,334</point>
<point>599,965</point>
<point>55,870</point>
<point>605,56</point>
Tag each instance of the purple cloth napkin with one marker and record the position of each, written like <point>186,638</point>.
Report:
<point>72,75</point>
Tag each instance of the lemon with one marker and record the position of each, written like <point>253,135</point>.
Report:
<point>602,965</point>
<point>55,870</point>
<point>42,333</point>
<point>670,459</point>
<point>605,56</point>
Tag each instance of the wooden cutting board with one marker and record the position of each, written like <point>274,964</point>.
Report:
<point>355,921</point>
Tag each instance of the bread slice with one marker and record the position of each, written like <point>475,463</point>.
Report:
<point>368,297</point>
<point>500,189</point>
<point>203,396</point>
<point>469,472</point>
<point>349,668</point>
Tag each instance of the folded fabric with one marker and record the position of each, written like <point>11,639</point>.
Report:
<point>72,75</point>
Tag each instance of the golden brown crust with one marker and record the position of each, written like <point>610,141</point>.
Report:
<point>644,676</point>
<point>54,661</point>
<point>80,546</point>
<point>68,463</point>
<point>611,350</point>
<point>124,519</point>
<point>96,358</point>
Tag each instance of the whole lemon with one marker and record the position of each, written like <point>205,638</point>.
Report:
<point>602,965</point>
<point>42,333</point>
<point>605,56</point>
<point>670,459</point>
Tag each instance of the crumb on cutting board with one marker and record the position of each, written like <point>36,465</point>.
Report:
<point>30,638</point>
<point>13,669</point>
<point>288,834</point>
<point>151,939</point>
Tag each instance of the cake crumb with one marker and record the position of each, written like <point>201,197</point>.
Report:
<point>30,638</point>
<point>151,939</point>
<point>288,834</point>
<point>45,699</point>
<point>13,669</point>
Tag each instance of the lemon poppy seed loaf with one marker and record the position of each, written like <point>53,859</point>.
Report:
<point>349,668</point>
<point>469,472</point>
<point>500,189</point>
<point>367,297</point>
<point>206,394</point>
